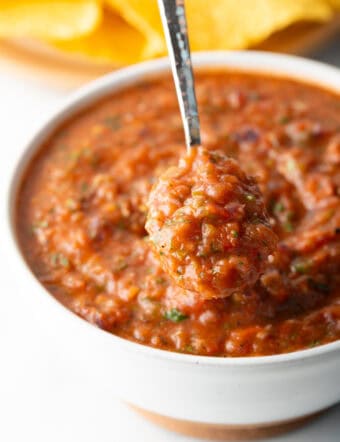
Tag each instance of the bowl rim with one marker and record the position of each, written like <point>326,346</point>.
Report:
<point>280,65</point>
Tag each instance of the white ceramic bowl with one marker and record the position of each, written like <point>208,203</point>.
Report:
<point>219,391</point>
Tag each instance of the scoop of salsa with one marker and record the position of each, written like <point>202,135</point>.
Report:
<point>208,225</point>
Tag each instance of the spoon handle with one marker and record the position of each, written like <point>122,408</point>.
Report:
<point>176,35</point>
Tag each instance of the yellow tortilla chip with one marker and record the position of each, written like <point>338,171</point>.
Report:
<point>222,24</point>
<point>127,31</point>
<point>144,16</point>
<point>334,3</point>
<point>56,20</point>
<point>113,40</point>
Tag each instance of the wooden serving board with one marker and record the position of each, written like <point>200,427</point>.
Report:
<point>66,71</point>
<point>214,432</point>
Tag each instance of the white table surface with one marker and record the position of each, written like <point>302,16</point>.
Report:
<point>40,402</point>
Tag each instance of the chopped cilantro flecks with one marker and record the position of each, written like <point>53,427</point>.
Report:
<point>288,226</point>
<point>63,260</point>
<point>84,187</point>
<point>215,158</point>
<point>160,280</point>
<point>120,266</point>
<point>114,123</point>
<point>256,220</point>
<point>121,224</point>
<point>42,224</point>
<point>59,259</point>
<point>74,155</point>
<point>175,315</point>
<point>284,119</point>
<point>314,343</point>
<point>278,207</point>
<point>189,349</point>
<point>254,96</point>
<point>300,266</point>
<point>234,233</point>
<point>54,259</point>
<point>215,247</point>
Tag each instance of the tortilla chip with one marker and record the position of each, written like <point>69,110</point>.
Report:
<point>113,40</point>
<point>334,3</point>
<point>144,16</point>
<point>222,24</point>
<point>128,31</point>
<point>47,19</point>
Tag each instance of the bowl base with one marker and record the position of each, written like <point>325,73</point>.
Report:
<point>223,432</point>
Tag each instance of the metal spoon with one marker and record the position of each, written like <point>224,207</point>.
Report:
<point>176,35</point>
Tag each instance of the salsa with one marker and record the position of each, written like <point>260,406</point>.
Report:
<point>83,204</point>
<point>208,225</point>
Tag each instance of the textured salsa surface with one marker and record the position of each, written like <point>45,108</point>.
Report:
<point>83,204</point>
<point>208,225</point>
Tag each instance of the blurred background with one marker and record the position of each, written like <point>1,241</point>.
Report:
<point>66,43</point>
<point>47,49</point>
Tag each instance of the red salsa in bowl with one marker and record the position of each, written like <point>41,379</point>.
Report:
<point>83,204</point>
